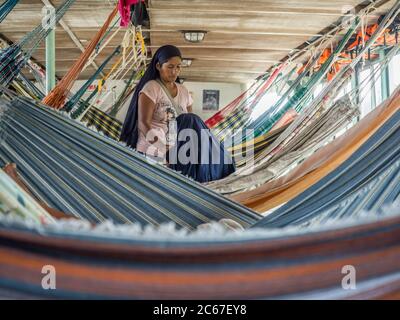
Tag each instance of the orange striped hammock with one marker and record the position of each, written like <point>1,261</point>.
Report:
<point>282,265</point>
<point>108,262</point>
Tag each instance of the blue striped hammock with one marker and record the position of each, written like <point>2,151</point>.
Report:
<point>350,217</point>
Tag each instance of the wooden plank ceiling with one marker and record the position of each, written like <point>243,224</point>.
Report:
<point>244,37</point>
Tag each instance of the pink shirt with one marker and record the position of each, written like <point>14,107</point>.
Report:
<point>163,122</point>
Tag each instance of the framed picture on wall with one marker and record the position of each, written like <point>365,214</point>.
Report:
<point>210,100</point>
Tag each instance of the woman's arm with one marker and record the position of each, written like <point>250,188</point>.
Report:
<point>146,109</point>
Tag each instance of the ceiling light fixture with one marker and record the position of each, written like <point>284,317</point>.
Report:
<point>194,36</point>
<point>187,62</point>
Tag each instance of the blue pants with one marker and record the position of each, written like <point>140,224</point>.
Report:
<point>202,158</point>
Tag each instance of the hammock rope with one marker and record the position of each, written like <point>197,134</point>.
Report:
<point>344,72</point>
<point>6,8</point>
<point>15,57</point>
<point>272,163</point>
<point>78,95</point>
<point>133,58</point>
<point>56,98</point>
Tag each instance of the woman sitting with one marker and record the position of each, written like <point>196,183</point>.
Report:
<point>160,109</point>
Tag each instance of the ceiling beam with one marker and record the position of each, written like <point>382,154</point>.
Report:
<point>202,58</point>
<point>332,6</point>
<point>236,60</point>
<point>24,30</point>
<point>229,47</point>
<point>194,70</point>
<point>224,70</point>
<point>241,32</point>
<point>187,10</point>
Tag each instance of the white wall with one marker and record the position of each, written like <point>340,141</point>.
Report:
<point>227,93</point>
<point>109,96</point>
<point>111,91</point>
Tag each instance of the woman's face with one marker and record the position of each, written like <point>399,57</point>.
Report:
<point>170,70</point>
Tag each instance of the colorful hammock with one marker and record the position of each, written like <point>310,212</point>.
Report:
<point>309,120</point>
<point>76,171</point>
<point>165,264</point>
<point>327,63</point>
<point>252,150</point>
<point>317,134</point>
<point>102,122</point>
<point>237,114</point>
<point>329,92</point>
<point>17,202</point>
<point>367,180</point>
<point>320,164</point>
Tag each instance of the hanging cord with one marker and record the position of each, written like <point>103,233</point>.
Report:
<point>118,71</point>
<point>394,11</point>
<point>100,49</point>
<point>135,56</point>
<point>76,97</point>
<point>387,21</point>
<point>113,110</point>
<point>370,8</point>
<point>57,96</point>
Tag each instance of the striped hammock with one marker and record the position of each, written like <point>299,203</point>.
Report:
<point>323,162</point>
<point>165,263</point>
<point>297,98</point>
<point>99,179</point>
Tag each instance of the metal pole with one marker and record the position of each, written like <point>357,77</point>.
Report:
<point>50,61</point>
<point>384,77</point>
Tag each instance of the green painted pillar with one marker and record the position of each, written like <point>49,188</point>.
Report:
<point>384,77</point>
<point>51,60</point>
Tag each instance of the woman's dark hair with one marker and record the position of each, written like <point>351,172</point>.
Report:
<point>130,132</point>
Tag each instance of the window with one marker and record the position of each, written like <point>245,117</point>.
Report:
<point>267,101</point>
<point>365,94</point>
<point>318,89</point>
<point>394,73</point>
<point>378,83</point>
<point>345,90</point>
